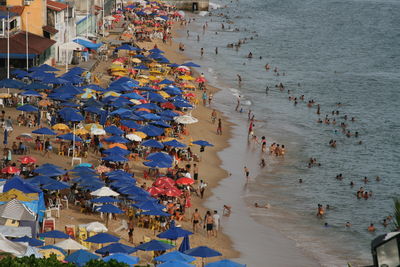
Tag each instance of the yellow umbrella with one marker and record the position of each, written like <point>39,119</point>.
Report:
<point>164,94</point>
<point>119,73</point>
<point>118,145</point>
<point>60,126</point>
<point>5,95</point>
<point>111,93</point>
<point>117,63</point>
<point>143,76</point>
<point>135,101</point>
<point>154,64</point>
<point>155,72</point>
<point>48,252</point>
<point>81,131</point>
<point>152,78</point>
<point>89,126</point>
<point>44,103</point>
<point>141,134</point>
<point>186,77</point>
<point>136,60</point>
<point>167,139</point>
<point>142,81</point>
<point>190,86</point>
<point>117,68</point>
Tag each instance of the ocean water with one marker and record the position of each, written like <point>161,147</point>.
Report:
<point>330,51</point>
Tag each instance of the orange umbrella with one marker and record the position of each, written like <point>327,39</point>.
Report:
<point>118,145</point>
<point>44,103</point>
<point>144,109</point>
<point>27,160</point>
<point>10,170</point>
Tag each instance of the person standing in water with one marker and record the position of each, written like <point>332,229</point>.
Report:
<point>247,173</point>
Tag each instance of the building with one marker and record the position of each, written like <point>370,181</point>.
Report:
<point>190,5</point>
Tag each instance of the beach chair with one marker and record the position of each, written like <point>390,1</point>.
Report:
<point>83,235</point>
<point>70,230</point>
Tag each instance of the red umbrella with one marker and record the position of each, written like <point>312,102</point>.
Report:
<point>25,137</point>
<point>164,180</point>
<point>201,80</point>
<point>10,170</point>
<point>27,160</point>
<point>190,95</point>
<point>172,192</point>
<point>154,191</point>
<point>168,105</point>
<point>185,181</point>
<point>165,186</point>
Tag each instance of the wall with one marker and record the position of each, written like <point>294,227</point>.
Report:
<point>188,4</point>
<point>36,18</point>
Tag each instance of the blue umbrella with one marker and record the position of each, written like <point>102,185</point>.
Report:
<point>45,131</point>
<point>141,67</point>
<point>202,252</point>
<point>28,108</point>
<point>174,143</point>
<point>133,95</point>
<point>202,143</point>
<point>40,180</point>
<point>130,124</point>
<point>158,164</point>
<point>81,257</point>
<point>72,116</point>
<point>50,170</point>
<point>54,247</point>
<point>92,109</point>
<point>105,200</point>
<point>161,123</point>
<point>43,67</point>
<point>128,47</point>
<point>174,233</point>
<point>102,238</point>
<point>191,64</point>
<point>70,137</point>
<point>168,113</point>
<point>120,257</point>
<point>154,245</point>
<point>152,143</point>
<point>166,81</point>
<point>151,130</point>
<point>108,208</point>
<point>156,213</point>
<point>114,158</point>
<point>9,83</point>
<point>19,73</point>
<point>76,70</point>
<point>148,205</point>
<point>225,263</point>
<point>116,139</point>
<point>148,106</point>
<point>54,234</point>
<point>55,185</point>
<point>30,93</point>
<point>117,150</point>
<point>175,256</point>
<point>113,130</point>
<point>160,156</point>
<point>31,241</point>
<point>116,248</point>
<point>36,86</point>
<point>156,50</point>
<point>175,264</point>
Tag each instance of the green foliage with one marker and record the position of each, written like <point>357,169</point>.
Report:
<point>396,215</point>
<point>31,261</point>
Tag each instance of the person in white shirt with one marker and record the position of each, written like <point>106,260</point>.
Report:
<point>216,222</point>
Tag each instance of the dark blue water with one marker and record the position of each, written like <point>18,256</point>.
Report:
<point>330,51</point>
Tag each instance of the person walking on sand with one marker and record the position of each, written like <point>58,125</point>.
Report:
<point>47,148</point>
<point>130,231</point>
<point>216,222</point>
<point>219,128</point>
<point>247,173</point>
<point>208,224</point>
<point>213,116</point>
<point>204,97</point>
<point>202,188</point>
<point>196,220</point>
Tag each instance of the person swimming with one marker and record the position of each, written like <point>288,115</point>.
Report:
<point>266,206</point>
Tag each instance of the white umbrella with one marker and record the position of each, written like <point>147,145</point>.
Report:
<point>159,18</point>
<point>70,244</point>
<point>71,46</point>
<point>104,192</point>
<point>184,67</point>
<point>133,137</point>
<point>16,249</point>
<point>109,18</point>
<point>95,227</point>
<point>186,119</point>
<point>97,131</point>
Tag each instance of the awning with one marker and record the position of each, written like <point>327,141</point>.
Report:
<point>37,45</point>
<point>50,29</point>
<point>87,44</point>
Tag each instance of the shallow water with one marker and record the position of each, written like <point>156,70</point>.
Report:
<point>330,51</point>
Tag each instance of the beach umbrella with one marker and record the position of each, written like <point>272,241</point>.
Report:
<point>185,181</point>
<point>25,137</point>
<point>160,156</point>
<point>113,130</point>
<point>116,248</point>
<point>49,250</point>
<point>116,139</point>
<point>27,108</point>
<point>40,180</point>
<point>174,143</point>
<point>164,180</point>
<point>174,233</point>
<point>175,263</point>
<point>108,208</point>
<point>186,119</point>
<point>202,252</point>
<point>70,244</point>
<point>70,137</point>
<point>156,213</point>
<point>152,143</point>
<point>102,238</point>
<point>54,234</point>
<point>151,130</point>
<point>148,205</point>
<point>44,131</point>
<point>106,199</point>
<point>175,256</point>
<point>104,192</point>
<point>9,83</point>
<point>154,245</point>
<point>118,145</point>
<point>60,127</point>
<point>31,93</point>
<point>133,137</point>
<point>10,170</point>
<point>81,257</point>
<point>31,241</point>
<point>157,164</point>
<point>191,64</point>
<point>43,67</point>
<point>127,47</point>
<point>55,185</point>
<point>120,257</point>
<point>114,158</point>
<point>225,263</point>
<point>27,160</point>
<point>202,143</point>
<point>154,191</point>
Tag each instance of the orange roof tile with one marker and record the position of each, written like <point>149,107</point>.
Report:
<point>57,6</point>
